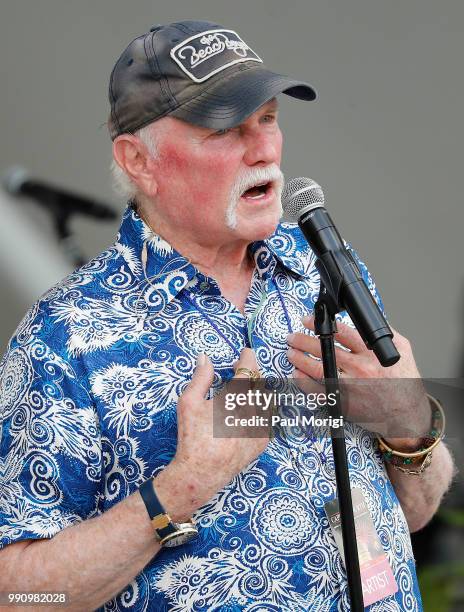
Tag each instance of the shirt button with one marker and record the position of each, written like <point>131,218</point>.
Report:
<point>204,286</point>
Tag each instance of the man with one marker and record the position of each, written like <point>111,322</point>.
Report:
<point>108,446</point>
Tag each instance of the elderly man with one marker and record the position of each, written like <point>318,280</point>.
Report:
<point>108,449</point>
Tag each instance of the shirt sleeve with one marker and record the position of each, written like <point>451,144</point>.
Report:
<point>50,450</point>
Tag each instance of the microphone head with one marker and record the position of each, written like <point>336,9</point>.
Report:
<point>300,195</point>
<point>14,178</point>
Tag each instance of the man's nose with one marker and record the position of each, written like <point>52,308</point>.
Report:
<point>263,148</point>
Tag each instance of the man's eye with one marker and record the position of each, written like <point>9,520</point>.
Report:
<point>269,118</point>
<point>222,132</point>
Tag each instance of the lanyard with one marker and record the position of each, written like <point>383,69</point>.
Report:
<point>193,302</point>
<point>190,299</point>
<point>196,306</point>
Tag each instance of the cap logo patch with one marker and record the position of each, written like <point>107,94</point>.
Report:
<point>209,52</point>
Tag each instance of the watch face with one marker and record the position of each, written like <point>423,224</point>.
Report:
<point>180,537</point>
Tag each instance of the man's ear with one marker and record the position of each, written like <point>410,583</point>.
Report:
<point>133,157</point>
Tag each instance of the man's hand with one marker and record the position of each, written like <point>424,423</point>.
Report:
<point>392,408</point>
<point>85,560</point>
<point>389,403</point>
<point>203,464</point>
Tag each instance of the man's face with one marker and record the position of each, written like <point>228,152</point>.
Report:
<point>204,178</point>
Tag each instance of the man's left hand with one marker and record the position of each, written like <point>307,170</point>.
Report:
<point>387,406</point>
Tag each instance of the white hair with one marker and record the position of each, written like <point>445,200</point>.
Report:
<point>122,184</point>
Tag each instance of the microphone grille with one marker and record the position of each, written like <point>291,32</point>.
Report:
<point>301,194</point>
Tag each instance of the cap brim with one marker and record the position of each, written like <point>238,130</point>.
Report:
<point>231,100</point>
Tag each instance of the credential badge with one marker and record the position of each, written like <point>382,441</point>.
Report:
<point>209,52</point>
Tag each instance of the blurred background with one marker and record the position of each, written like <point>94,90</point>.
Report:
<point>385,140</point>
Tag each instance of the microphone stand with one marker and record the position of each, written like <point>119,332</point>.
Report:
<point>61,219</point>
<point>325,310</point>
<point>62,205</point>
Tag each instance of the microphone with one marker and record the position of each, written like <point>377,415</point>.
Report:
<point>18,183</point>
<point>303,200</point>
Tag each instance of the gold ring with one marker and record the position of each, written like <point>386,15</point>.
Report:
<point>253,375</point>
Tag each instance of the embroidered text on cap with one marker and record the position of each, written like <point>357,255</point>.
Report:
<point>209,52</point>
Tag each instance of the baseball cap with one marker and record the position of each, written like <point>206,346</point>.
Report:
<point>197,71</point>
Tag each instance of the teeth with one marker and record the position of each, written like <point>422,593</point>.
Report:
<point>256,186</point>
<point>256,197</point>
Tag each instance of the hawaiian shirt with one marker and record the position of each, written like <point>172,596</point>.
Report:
<point>89,387</point>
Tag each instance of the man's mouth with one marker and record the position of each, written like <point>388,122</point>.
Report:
<point>257,192</point>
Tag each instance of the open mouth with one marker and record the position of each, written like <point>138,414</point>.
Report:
<point>257,192</point>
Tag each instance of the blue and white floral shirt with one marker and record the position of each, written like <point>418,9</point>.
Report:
<point>88,393</point>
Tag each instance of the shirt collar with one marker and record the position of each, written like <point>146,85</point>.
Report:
<point>151,259</point>
<point>287,246</point>
<point>149,256</point>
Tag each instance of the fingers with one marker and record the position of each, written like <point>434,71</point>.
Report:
<point>305,364</point>
<point>247,360</point>
<point>306,383</point>
<point>305,343</point>
<point>346,335</point>
<point>401,342</point>
<point>202,377</point>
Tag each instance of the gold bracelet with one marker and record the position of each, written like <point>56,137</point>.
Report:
<point>428,443</point>
<point>423,466</point>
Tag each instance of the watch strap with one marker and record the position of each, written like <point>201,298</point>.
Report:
<point>160,520</point>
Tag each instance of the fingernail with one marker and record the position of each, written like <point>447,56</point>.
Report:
<point>308,319</point>
<point>201,359</point>
<point>291,352</point>
<point>290,337</point>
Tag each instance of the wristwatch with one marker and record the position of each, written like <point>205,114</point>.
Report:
<point>168,533</point>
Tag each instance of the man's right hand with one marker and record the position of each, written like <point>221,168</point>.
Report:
<point>203,464</point>
<point>85,559</point>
